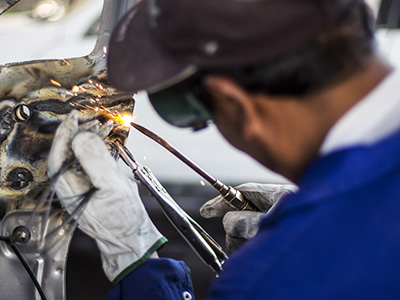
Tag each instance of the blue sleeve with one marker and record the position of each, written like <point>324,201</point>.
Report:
<point>160,278</point>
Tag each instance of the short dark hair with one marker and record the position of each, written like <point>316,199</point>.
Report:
<point>338,52</point>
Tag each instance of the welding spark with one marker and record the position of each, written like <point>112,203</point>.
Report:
<point>202,183</point>
<point>106,109</point>
<point>56,83</point>
<point>118,118</point>
<point>64,60</point>
<point>105,50</point>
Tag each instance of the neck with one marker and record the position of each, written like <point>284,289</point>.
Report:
<point>301,125</point>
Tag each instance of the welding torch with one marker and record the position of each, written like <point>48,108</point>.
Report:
<point>233,197</point>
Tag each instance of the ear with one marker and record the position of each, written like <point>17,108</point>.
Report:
<point>233,105</point>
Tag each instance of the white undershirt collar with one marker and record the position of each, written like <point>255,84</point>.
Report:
<point>370,120</point>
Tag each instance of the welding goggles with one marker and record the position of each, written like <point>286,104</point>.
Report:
<point>185,104</point>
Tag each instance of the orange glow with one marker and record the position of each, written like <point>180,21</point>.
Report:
<point>115,116</point>
<point>56,83</point>
<point>65,61</point>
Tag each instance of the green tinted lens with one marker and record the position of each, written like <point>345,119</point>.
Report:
<point>181,105</point>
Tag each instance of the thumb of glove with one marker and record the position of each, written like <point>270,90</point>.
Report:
<point>263,196</point>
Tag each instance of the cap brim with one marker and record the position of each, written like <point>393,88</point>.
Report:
<point>136,61</point>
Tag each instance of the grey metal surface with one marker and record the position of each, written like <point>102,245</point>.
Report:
<point>46,255</point>
<point>24,83</point>
<point>7,4</point>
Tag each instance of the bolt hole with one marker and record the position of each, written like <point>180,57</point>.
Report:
<point>21,235</point>
<point>21,113</point>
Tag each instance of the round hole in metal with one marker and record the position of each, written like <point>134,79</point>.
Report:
<point>21,113</point>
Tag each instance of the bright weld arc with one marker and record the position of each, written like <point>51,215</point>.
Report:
<point>124,120</point>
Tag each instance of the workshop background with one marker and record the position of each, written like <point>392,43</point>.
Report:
<point>62,29</point>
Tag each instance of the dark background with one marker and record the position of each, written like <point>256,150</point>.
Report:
<point>85,277</point>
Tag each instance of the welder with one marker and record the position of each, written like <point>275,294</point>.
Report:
<point>300,86</point>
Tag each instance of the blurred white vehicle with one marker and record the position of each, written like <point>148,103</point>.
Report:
<point>23,37</point>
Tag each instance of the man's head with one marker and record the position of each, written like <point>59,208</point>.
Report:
<point>266,45</point>
<point>273,49</point>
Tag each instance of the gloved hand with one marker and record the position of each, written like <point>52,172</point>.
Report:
<point>114,216</point>
<point>243,225</point>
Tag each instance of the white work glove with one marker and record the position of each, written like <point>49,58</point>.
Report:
<point>240,226</point>
<point>114,216</point>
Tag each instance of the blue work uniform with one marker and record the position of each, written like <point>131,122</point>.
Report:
<point>337,238</point>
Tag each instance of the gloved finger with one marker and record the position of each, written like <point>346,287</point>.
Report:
<point>233,244</point>
<point>263,196</point>
<point>92,126</point>
<point>69,184</point>
<point>241,224</point>
<point>216,207</point>
<point>61,148</point>
<point>96,161</point>
<point>105,129</point>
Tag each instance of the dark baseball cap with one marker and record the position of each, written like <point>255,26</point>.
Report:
<point>160,43</point>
